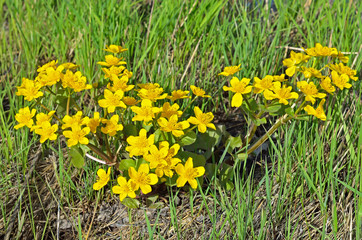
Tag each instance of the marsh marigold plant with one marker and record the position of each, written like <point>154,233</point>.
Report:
<point>144,135</point>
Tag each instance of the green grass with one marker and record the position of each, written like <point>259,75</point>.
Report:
<point>311,184</point>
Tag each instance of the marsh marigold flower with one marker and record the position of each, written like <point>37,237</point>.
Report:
<point>112,126</point>
<point>112,100</point>
<point>283,93</point>
<point>228,71</point>
<point>198,92</point>
<point>24,117</point>
<point>171,161</point>
<point>47,131</point>
<point>77,135</point>
<point>202,120</point>
<point>42,118</point>
<point>239,87</point>
<point>178,94</point>
<point>318,112</point>
<point>156,157</point>
<point>327,86</point>
<point>168,110</point>
<point>94,122</point>
<point>311,72</point>
<point>342,69</point>
<point>341,81</point>
<point>130,101</point>
<point>294,60</point>
<point>172,125</point>
<point>51,64</point>
<point>140,145</point>
<point>29,89</point>
<point>74,121</point>
<point>320,50</point>
<point>116,70</point>
<point>142,178</point>
<point>124,188</point>
<point>262,84</point>
<point>103,178</point>
<point>115,49</point>
<point>152,94</point>
<point>119,84</point>
<point>69,66</point>
<point>310,90</point>
<point>50,76</point>
<point>188,173</point>
<point>146,112</point>
<point>112,61</point>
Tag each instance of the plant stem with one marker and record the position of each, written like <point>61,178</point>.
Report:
<point>101,154</point>
<point>279,122</point>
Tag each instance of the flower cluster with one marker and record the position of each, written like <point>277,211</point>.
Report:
<point>315,83</point>
<point>146,122</point>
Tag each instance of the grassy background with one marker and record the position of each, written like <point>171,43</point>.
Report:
<point>310,187</point>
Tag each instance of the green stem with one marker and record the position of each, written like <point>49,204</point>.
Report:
<point>106,158</point>
<point>279,122</point>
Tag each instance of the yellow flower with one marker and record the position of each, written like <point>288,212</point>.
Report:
<point>230,70</point>
<point>142,178</point>
<point>342,69</point>
<point>202,120</point>
<point>50,76</point>
<point>148,86</point>
<point>46,131</point>
<point>188,174</point>
<point>178,94</point>
<point>75,81</point>
<point>198,92</point>
<point>168,110</point>
<point>24,117</point>
<point>172,125</point>
<point>239,88</point>
<point>130,101</point>
<point>127,73</point>
<point>124,188</point>
<point>341,81</point>
<point>311,72</point>
<point>119,84</point>
<point>140,145</point>
<point>103,178</point>
<point>310,90</point>
<point>262,84</point>
<point>319,50</point>
<point>77,135</point>
<point>112,126</point>
<point>29,89</point>
<point>74,121</point>
<point>115,49</point>
<point>146,112</point>
<point>152,94</point>
<point>94,122</point>
<point>167,169</point>
<point>157,157</point>
<point>282,93</point>
<point>319,112</point>
<point>51,64</point>
<point>111,101</point>
<point>280,78</point>
<point>42,118</point>
<point>117,70</point>
<point>69,66</point>
<point>112,61</point>
<point>294,60</point>
<point>327,86</point>
<point>341,57</point>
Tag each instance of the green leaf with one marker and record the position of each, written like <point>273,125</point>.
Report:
<point>130,130</point>
<point>210,170</point>
<point>289,111</point>
<point>260,121</point>
<point>125,164</point>
<point>302,118</point>
<point>131,203</point>
<point>274,108</point>
<point>242,156</point>
<point>76,156</point>
<point>139,162</point>
<point>188,139</point>
<point>235,142</point>
<point>61,103</point>
<point>147,127</point>
<point>199,160</point>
